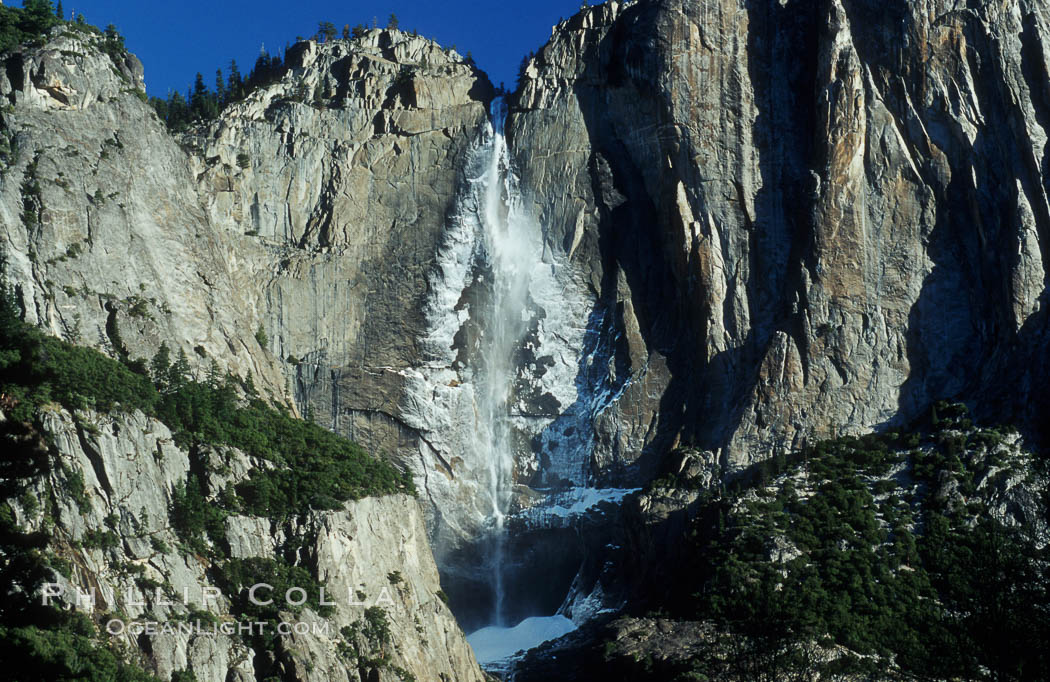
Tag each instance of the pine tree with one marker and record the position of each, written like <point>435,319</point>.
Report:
<point>391,23</point>
<point>198,97</point>
<point>326,31</point>
<point>220,89</point>
<point>38,16</point>
<point>260,73</point>
<point>160,366</point>
<point>59,12</point>
<point>179,373</point>
<point>176,112</point>
<point>346,31</point>
<point>523,67</point>
<point>10,319</point>
<point>234,84</point>
<point>203,105</point>
<point>215,379</point>
<point>160,106</point>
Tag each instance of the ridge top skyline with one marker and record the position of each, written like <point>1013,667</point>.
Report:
<point>175,41</point>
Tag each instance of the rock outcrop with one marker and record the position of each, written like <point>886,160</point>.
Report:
<point>807,219</point>
<point>288,242</point>
<point>107,239</point>
<point>105,502</point>
<point>334,184</point>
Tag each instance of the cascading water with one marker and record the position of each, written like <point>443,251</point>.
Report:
<point>512,381</point>
<point>483,304</point>
<point>505,253</point>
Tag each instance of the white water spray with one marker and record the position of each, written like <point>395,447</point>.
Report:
<point>507,253</point>
<point>490,272</point>
<point>510,325</point>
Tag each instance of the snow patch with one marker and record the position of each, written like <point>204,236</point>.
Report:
<point>493,644</point>
<point>576,501</point>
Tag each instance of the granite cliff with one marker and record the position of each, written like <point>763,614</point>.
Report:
<point>105,493</point>
<point>806,219</point>
<point>223,245</point>
<point>766,224</point>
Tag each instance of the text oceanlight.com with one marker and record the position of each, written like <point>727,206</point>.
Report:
<point>150,628</point>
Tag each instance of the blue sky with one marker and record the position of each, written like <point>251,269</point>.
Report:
<point>175,40</point>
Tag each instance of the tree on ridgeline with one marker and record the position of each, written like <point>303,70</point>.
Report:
<point>268,69</point>
<point>173,111</point>
<point>358,31</point>
<point>524,65</point>
<point>220,89</point>
<point>346,31</point>
<point>114,42</point>
<point>38,16</point>
<point>59,11</point>
<point>326,31</point>
<point>235,83</point>
<point>203,105</point>
<point>391,23</point>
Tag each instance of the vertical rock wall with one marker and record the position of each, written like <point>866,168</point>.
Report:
<point>806,218</point>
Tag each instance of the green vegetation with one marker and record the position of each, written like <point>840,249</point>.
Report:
<point>36,369</point>
<point>113,44</point>
<point>313,469</point>
<point>31,204</point>
<point>365,644</point>
<point>200,103</point>
<point>261,338</point>
<point>27,25</point>
<point>95,538</point>
<point>886,547</point>
<point>317,469</point>
<point>237,575</point>
<point>53,644</point>
<point>31,24</point>
<point>68,650</point>
<point>193,518</point>
<point>325,31</point>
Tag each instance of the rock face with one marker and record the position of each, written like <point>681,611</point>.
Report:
<point>372,553</point>
<point>311,211</point>
<point>341,175</point>
<point>786,220</point>
<point>107,240</point>
<point>288,242</point>
<point>805,219</point>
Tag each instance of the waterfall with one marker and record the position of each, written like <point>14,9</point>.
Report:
<point>493,296</point>
<point>507,252</point>
<point>516,368</point>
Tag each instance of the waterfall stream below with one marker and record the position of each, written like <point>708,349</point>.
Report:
<point>505,405</point>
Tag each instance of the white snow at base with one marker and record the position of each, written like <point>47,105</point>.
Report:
<point>577,501</point>
<point>495,643</point>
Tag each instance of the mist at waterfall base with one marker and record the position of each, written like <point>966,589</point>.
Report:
<point>507,397</point>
